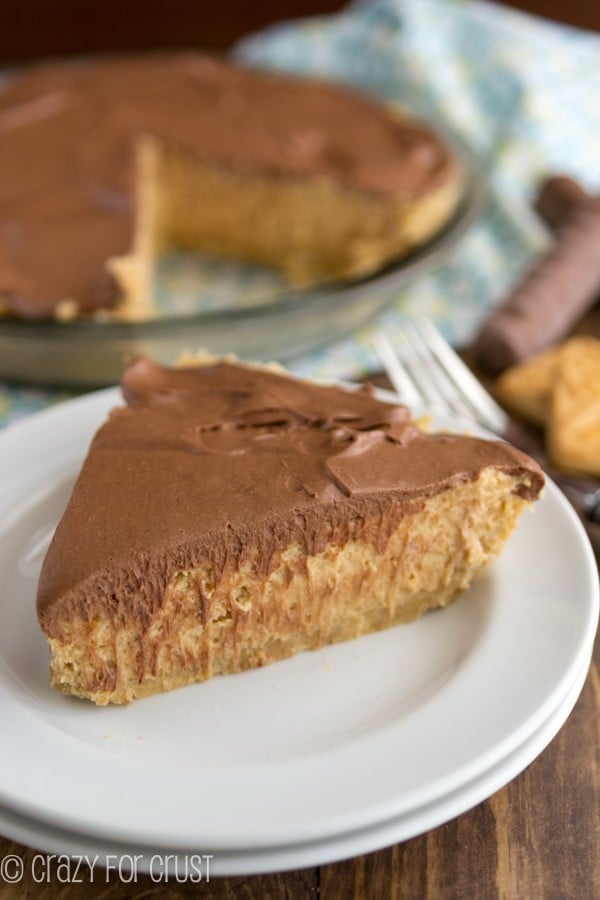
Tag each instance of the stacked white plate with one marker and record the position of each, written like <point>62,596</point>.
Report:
<point>327,755</point>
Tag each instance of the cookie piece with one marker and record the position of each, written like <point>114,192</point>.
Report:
<point>573,429</point>
<point>525,389</point>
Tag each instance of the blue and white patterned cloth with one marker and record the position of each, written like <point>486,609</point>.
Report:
<point>522,92</point>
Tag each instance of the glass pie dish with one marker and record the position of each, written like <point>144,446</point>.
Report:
<point>224,307</point>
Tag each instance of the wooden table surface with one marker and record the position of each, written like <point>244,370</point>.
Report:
<point>538,837</point>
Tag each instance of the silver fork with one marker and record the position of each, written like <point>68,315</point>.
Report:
<point>425,371</point>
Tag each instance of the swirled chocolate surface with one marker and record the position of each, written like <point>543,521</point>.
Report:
<point>225,463</point>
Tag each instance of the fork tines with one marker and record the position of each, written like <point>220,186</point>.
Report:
<point>425,370</point>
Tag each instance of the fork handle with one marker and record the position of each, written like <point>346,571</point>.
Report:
<point>558,199</point>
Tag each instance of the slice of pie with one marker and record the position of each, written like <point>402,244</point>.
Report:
<point>229,516</point>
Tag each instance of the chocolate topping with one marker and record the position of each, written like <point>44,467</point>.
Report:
<point>559,197</point>
<point>68,136</point>
<point>225,463</point>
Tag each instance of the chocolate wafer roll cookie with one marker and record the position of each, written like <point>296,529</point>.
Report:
<point>553,295</point>
<point>559,198</point>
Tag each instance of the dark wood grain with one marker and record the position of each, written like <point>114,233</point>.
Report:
<point>30,29</point>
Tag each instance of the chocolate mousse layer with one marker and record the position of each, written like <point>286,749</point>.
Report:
<point>227,464</point>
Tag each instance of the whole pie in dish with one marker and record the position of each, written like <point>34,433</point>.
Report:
<point>107,163</point>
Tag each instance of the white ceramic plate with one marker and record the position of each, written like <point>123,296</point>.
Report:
<point>134,859</point>
<point>321,745</point>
